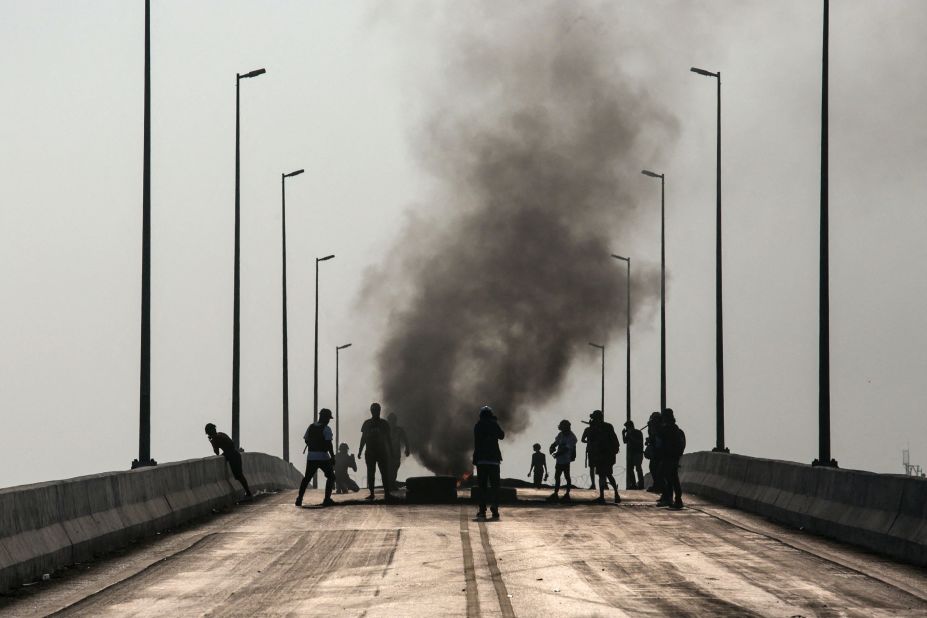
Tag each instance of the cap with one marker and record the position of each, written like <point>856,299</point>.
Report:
<point>325,413</point>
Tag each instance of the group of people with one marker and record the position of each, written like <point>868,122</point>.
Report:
<point>384,440</point>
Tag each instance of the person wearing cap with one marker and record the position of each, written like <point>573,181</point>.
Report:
<point>634,438</point>
<point>673,445</point>
<point>563,449</point>
<point>603,446</point>
<point>321,456</point>
<point>488,459</point>
<point>222,441</point>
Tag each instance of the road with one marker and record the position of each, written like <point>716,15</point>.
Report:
<point>270,558</point>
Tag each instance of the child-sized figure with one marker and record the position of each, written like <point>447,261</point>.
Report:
<point>343,461</point>
<point>538,466</point>
<point>564,451</point>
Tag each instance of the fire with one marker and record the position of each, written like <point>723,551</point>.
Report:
<point>463,478</point>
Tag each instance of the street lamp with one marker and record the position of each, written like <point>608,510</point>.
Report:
<point>627,333</point>
<point>236,312</point>
<point>824,458</point>
<point>601,347</point>
<point>719,324</point>
<point>315,361</point>
<point>662,284</point>
<point>286,370</point>
<point>144,382</point>
<point>337,391</point>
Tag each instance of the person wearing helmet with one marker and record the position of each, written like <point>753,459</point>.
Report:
<point>220,440</point>
<point>488,459</point>
<point>563,449</point>
<point>321,456</point>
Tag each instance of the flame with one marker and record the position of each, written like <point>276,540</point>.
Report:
<point>464,478</point>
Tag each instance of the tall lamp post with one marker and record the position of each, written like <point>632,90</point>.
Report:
<point>315,357</point>
<point>286,369</point>
<point>601,347</point>
<point>338,391</point>
<point>144,383</point>
<point>236,312</point>
<point>662,284</point>
<point>824,456</point>
<point>629,474</point>
<point>719,324</point>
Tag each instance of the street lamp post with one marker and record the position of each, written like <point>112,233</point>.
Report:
<point>719,324</point>
<point>286,369</point>
<point>662,284</point>
<point>236,312</point>
<point>338,391</point>
<point>629,475</point>
<point>315,357</point>
<point>824,456</point>
<point>601,347</point>
<point>144,383</point>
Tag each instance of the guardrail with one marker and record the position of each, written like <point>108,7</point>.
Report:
<point>885,513</point>
<point>46,526</point>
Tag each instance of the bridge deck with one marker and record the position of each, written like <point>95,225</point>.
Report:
<point>270,558</point>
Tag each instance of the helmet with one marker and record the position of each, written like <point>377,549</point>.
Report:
<point>486,412</point>
<point>597,415</point>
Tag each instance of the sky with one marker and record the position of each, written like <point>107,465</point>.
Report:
<point>349,86</point>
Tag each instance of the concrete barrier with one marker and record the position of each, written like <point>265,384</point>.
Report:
<point>885,513</point>
<point>46,526</point>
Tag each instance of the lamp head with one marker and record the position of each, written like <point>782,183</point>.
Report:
<point>253,73</point>
<point>327,257</point>
<point>703,72</point>
<point>296,173</point>
<point>651,174</point>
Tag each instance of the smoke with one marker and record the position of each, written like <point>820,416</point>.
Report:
<point>535,139</point>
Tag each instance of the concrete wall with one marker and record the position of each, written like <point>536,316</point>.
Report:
<point>885,513</point>
<point>46,526</point>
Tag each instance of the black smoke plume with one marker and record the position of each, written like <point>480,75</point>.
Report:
<point>536,140</point>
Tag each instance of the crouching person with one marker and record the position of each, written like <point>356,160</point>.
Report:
<point>321,456</point>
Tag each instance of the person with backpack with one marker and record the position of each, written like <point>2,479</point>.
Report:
<point>343,461</point>
<point>673,445</point>
<point>375,435</point>
<point>321,456</point>
<point>603,446</point>
<point>563,449</point>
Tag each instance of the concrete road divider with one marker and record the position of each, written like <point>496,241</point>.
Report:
<point>885,513</point>
<point>46,526</point>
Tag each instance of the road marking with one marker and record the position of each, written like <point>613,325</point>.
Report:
<point>505,603</point>
<point>473,595</point>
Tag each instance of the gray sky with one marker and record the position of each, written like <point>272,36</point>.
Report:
<point>347,87</point>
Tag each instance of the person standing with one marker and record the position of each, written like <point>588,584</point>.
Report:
<point>488,459</point>
<point>673,444</point>
<point>603,446</point>
<point>585,439</point>
<point>375,435</point>
<point>634,438</point>
<point>222,441</point>
<point>321,456</point>
<point>398,439</point>
<point>563,449</point>
<point>538,466</point>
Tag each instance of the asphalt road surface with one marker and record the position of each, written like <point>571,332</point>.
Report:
<point>269,558</point>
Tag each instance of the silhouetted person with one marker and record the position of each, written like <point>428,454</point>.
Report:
<point>673,446</point>
<point>584,440</point>
<point>563,449</point>
<point>538,466</point>
<point>398,439</point>
<point>652,452</point>
<point>343,482</point>
<point>375,435</point>
<point>634,438</point>
<point>321,456</point>
<point>488,459</point>
<point>603,446</point>
<point>219,440</point>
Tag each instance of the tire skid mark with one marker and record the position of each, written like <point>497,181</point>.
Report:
<point>502,593</point>
<point>473,595</point>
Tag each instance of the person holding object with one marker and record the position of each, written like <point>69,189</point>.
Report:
<point>602,446</point>
<point>219,440</point>
<point>564,451</point>
<point>488,459</point>
<point>321,456</point>
<point>375,435</point>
